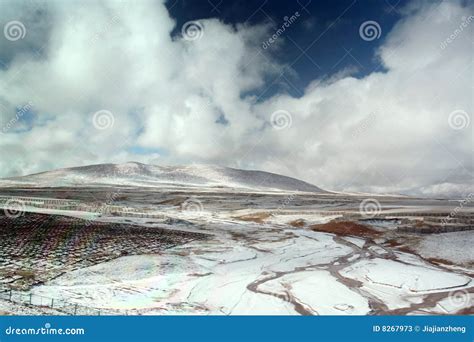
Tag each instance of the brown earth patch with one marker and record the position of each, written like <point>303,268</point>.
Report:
<point>393,243</point>
<point>182,253</point>
<point>406,249</point>
<point>440,261</point>
<point>346,228</point>
<point>298,223</point>
<point>238,236</point>
<point>466,311</point>
<point>256,217</point>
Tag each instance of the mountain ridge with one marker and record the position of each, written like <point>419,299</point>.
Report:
<point>139,174</point>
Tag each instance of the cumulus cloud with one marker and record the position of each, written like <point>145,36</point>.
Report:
<point>177,100</point>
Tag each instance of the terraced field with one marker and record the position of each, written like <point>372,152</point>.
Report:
<point>35,248</point>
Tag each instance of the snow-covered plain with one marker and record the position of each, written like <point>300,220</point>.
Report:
<point>249,268</point>
<point>263,253</point>
<point>457,247</point>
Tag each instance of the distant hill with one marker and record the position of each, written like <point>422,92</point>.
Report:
<point>138,174</point>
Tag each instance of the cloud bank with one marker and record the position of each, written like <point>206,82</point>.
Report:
<point>170,98</point>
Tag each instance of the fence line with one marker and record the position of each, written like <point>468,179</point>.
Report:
<point>23,203</point>
<point>64,306</point>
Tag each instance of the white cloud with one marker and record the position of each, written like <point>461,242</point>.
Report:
<point>386,132</point>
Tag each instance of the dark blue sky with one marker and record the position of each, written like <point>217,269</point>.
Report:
<point>324,40</point>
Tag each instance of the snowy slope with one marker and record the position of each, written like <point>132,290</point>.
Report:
<point>137,174</point>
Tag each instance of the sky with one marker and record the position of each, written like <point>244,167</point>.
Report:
<point>366,96</point>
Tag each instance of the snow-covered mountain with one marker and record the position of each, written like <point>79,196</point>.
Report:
<point>138,174</point>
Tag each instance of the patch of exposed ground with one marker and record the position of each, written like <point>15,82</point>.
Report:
<point>467,311</point>
<point>256,217</point>
<point>298,223</point>
<point>346,228</point>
